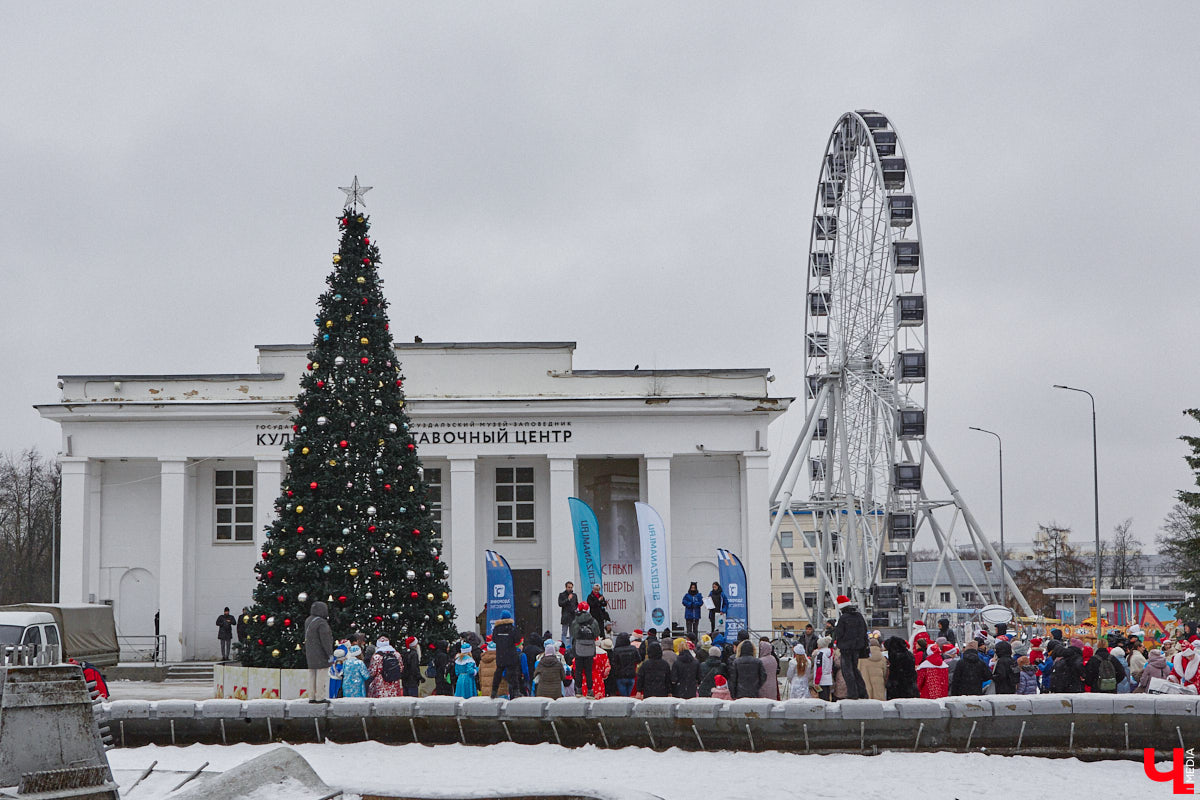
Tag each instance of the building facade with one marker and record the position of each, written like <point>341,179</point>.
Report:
<point>169,481</point>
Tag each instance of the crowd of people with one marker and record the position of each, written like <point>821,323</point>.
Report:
<point>845,662</point>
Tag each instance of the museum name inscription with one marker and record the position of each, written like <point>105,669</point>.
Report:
<point>524,432</point>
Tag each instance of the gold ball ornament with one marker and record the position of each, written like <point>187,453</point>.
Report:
<point>332,463</point>
<point>282,551</point>
<point>328,323</point>
<point>340,550</point>
<point>361,279</point>
<point>275,653</point>
<point>429,597</point>
<point>316,365</point>
<point>337,259</point>
<point>299,509</point>
<point>354,572</point>
<point>398,550</point>
<point>445,595</point>
<point>360,219</point>
<point>349,317</point>
<point>304,451</point>
<point>364,340</point>
<point>441,618</point>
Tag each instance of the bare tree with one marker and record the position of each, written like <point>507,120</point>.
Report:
<point>29,493</point>
<point>1123,556</point>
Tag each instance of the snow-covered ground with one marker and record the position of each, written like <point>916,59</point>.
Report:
<point>159,690</point>
<point>458,771</point>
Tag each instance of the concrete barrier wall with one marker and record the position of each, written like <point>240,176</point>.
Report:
<point>1085,725</point>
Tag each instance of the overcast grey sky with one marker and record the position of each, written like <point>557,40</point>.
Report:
<point>635,177</point>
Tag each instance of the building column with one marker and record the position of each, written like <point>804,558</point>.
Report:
<point>756,549</point>
<point>172,533</point>
<point>94,506</point>
<point>563,563</point>
<point>75,541</point>
<point>268,479</point>
<point>460,546</point>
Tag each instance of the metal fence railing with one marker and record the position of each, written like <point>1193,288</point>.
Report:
<point>30,655</point>
<point>143,648</point>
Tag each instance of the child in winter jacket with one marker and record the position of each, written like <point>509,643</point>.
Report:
<point>1027,683</point>
<point>465,670</point>
<point>336,668</point>
<point>797,674</point>
<point>823,668</point>
<point>721,688</point>
<point>355,674</point>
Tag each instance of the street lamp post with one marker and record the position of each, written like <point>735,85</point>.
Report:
<point>1096,502</point>
<point>1003,556</point>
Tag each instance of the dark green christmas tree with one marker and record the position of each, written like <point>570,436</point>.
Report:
<point>352,528</point>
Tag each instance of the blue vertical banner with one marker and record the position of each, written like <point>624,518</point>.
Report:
<point>500,589</point>
<point>655,583</point>
<point>587,545</point>
<point>733,583</point>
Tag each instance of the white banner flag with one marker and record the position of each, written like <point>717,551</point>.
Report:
<point>655,585</point>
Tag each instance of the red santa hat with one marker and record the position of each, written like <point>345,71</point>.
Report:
<point>842,601</point>
<point>409,641</point>
<point>1036,641</point>
<point>583,606</point>
<point>720,680</point>
<point>933,658</point>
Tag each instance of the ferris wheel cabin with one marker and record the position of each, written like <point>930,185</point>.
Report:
<point>910,423</point>
<point>910,365</point>
<point>821,264</point>
<point>910,310</point>
<point>821,431</point>
<point>885,142</point>
<point>906,476</point>
<point>818,344</point>
<point>827,226</point>
<point>906,256</point>
<point>900,210</point>
<point>818,304</point>
<point>902,526</point>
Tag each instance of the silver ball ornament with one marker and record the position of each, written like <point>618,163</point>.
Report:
<point>302,597</point>
<point>392,427</point>
<point>301,555</point>
<point>410,575</point>
<point>270,622</point>
<point>370,511</point>
<point>322,420</point>
<point>339,361</point>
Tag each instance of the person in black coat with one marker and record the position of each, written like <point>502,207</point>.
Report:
<point>685,674</point>
<point>720,605</point>
<point>902,670</point>
<point>441,668</point>
<point>970,673</point>
<point>623,663</point>
<point>1066,675</point>
<point>508,658</point>
<point>598,605</point>
<point>1006,674</point>
<point>654,675</point>
<point>850,638</point>
<point>568,601</point>
<point>944,630</point>
<point>1091,671</point>
<point>709,670</point>
<point>533,646</point>
<point>225,625</point>
<point>747,674</point>
<point>809,640</point>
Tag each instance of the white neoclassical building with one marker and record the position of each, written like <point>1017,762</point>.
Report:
<point>170,480</point>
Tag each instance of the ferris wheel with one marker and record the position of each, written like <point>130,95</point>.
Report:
<point>863,451</point>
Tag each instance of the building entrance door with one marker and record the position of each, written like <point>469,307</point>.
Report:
<point>527,600</point>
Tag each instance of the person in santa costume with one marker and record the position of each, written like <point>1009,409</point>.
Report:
<point>1185,666</point>
<point>933,679</point>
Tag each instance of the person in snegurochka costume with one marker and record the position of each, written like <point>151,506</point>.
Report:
<point>340,650</point>
<point>850,638</point>
<point>693,601</point>
<point>465,671</point>
<point>601,670</point>
<point>355,675</point>
<point>387,671</point>
<point>933,679</point>
<point>1185,665</point>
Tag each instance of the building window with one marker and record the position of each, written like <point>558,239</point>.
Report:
<point>785,538</point>
<point>787,601</point>
<point>945,597</point>
<point>514,503</point>
<point>920,597</point>
<point>785,569</point>
<point>810,599</point>
<point>810,539</point>
<point>810,569</point>
<point>968,597</point>
<point>233,498</point>
<point>433,495</point>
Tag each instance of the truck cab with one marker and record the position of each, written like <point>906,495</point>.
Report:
<point>29,638</point>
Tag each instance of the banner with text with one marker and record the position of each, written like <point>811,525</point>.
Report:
<point>500,589</point>
<point>655,585</point>
<point>733,583</point>
<point>587,545</point>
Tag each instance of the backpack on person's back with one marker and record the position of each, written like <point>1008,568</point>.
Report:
<point>393,670</point>
<point>1106,676</point>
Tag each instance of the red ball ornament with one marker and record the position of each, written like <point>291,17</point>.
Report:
<point>378,574</point>
<point>280,598</point>
<point>260,642</point>
<point>313,486</point>
<point>342,599</point>
<point>299,529</point>
<point>320,551</point>
<point>366,240</point>
<point>378,619</point>
<point>289,492</point>
<point>310,366</point>
<point>343,444</point>
<point>344,221</point>
<point>262,617</point>
<point>399,382</point>
<point>387,487</point>
<point>287,623</point>
<point>270,574</point>
<point>366,261</point>
<point>413,595</point>
<point>320,384</point>
<point>371,529</point>
<point>416,532</point>
<point>364,360</point>
<point>364,302</point>
<point>295,429</point>
<point>412,446</point>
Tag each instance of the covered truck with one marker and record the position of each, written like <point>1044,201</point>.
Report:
<point>88,631</point>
